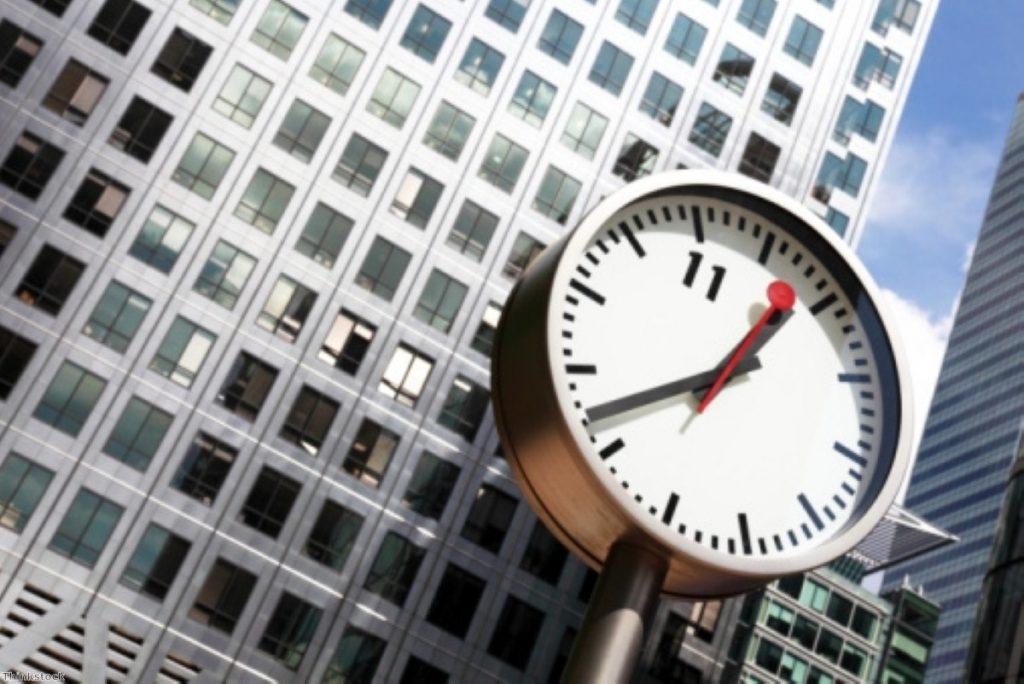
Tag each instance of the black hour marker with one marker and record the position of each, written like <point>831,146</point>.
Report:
<point>732,545</point>
<point>840,313</point>
<point>581,369</point>
<point>743,224</point>
<point>611,450</point>
<point>778,542</point>
<point>697,536</point>
<point>809,510</point>
<point>793,539</point>
<point>670,508</point>
<point>823,303</point>
<point>716,281</point>
<point>584,290</point>
<point>682,212</point>
<point>667,213</point>
<point>633,242</point>
<point>714,541</point>
<point>854,377</point>
<point>744,534</point>
<point>726,217</point>
<point>850,454</point>
<point>698,225</point>
<point>691,270</point>
<point>652,217</point>
<point>762,546</point>
<point>766,249</point>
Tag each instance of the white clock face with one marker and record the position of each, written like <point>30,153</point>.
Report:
<point>797,442</point>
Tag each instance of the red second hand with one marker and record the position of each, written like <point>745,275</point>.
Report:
<point>780,298</point>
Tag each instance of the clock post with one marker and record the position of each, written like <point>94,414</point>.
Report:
<point>698,390</point>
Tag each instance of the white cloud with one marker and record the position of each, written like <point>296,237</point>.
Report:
<point>924,342</point>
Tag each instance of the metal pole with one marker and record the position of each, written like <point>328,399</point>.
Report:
<point>615,626</point>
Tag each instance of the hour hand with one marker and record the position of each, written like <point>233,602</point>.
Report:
<point>693,383</point>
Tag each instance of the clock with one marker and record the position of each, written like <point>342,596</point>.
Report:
<point>703,368</point>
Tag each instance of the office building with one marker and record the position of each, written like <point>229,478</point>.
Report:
<point>972,434</point>
<point>253,253</point>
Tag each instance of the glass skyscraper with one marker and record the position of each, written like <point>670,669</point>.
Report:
<point>973,432</point>
<point>252,254</point>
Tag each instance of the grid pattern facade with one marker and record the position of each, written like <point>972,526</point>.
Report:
<point>253,254</point>
<point>973,432</point>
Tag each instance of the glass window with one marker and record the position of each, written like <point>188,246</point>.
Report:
<point>279,29</point>
<point>15,354</point>
<point>464,407</point>
<point>524,250</point>
<point>768,655</point>
<point>18,48</point>
<point>29,165</point>
<point>73,96</point>
<point>347,342</point>
<point>393,98</point>
<point>140,129</point>
<point>838,220</point>
<point>508,14</point>
<point>503,162</point>
<point>781,99</point>
<point>360,164</point>
<point>733,70</point>
<point>805,632</point>
<point>224,274</point>
<point>489,518</point>
<point>845,174</point>
<point>137,435</point>
<point>337,64</point>
<point>854,660</point>
<point>416,198</point>
<point>759,158</point>
<point>86,527</point>
<point>309,420</point>
<point>182,351</point>
<point>247,386</point>
<point>532,99</point>
<point>779,618</point>
<point>865,623</point>
<point>661,99</point>
<point>544,556</point>
<point>203,166</point>
<point>220,10</point>
<point>431,486</point>
<point>181,59</point>
<point>356,658</point>
<point>156,561</point>
<point>333,534</point>
<point>516,632</point>
<point>290,630</point>
<point>370,453</point>
<point>242,96</point>
<point>406,375</point>
<point>839,609</point>
<point>483,339</point>
<point>70,398</point>
<point>710,129</point>
<point>611,68</point>
<point>685,39</point>
<point>803,40</point>
<point>472,231</point>
<point>269,502</point>
<point>900,13</point>
<point>383,268</point>
<point>425,33</point>
<point>264,201</point>
<point>636,14</point>
<point>22,485</point>
<point>863,119</point>
<point>449,130</point>
<point>479,67</point>
<point>324,235</point>
<point>50,278</point>
<point>118,24</point>
<point>882,65</point>
<point>204,468</point>
<point>223,596</point>
<point>584,130</point>
<point>302,130</point>
<point>792,669</point>
<point>440,301</point>
<point>560,37</point>
<point>756,15</point>
<point>394,569</point>
<point>829,646</point>
<point>814,596</point>
<point>636,158</point>
<point>7,234</point>
<point>456,600</point>
<point>161,239</point>
<point>370,12</point>
<point>286,309</point>
<point>96,203</point>
<point>790,585</point>
<point>418,671</point>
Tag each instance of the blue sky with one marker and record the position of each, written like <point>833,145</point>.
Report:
<point>927,211</point>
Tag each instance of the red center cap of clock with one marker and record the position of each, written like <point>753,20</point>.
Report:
<point>781,295</point>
